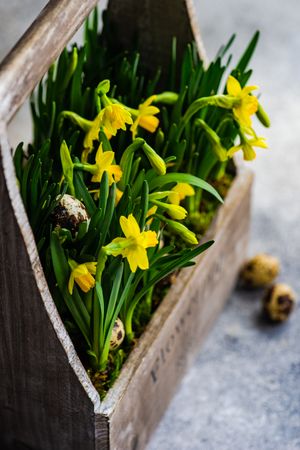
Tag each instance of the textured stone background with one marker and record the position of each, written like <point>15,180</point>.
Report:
<point>243,391</point>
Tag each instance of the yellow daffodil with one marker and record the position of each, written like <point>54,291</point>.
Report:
<point>119,195</point>
<point>248,104</point>
<point>104,164</point>
<point>96,193</point>
<point>82,274</point>
<point>179,192</point>
<point>246,146</point>
<point>150,213</point>
<point>113,117</point>
<point>145,117</point>
<point>93,133</point>
<point>133,246</point>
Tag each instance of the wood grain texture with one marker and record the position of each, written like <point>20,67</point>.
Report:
<point>42,43</point>
<point>150,376</point>
<point>151,26</point>
<point>46,398</point>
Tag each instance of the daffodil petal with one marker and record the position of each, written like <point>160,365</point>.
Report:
<point>141,257</point>
<point>149,239</point>
<point>233,86</point>
<point>132,260</point>
<point>129,226</point>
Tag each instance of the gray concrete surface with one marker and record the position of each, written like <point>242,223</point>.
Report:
<point>243,391</point>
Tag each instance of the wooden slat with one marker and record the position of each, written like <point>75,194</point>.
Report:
<point>25,65</point>
<point>47,400</point>
<point>150,25</point>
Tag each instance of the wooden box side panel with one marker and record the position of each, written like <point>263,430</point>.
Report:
<point>178,328</point>
<point>151,26</point>
<point>43,405</point>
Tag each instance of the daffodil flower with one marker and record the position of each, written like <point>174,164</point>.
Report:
<point>82,274</point>
<point>133,246</point>
<point>114,117</point>
<point>103,164</point>
<point>246,146</point>
<point>91,129</point>
<point>150,213</point>
<point>119,195</point>
<point>179,192</point>
<point>145,116</point>
<point>247,105</point>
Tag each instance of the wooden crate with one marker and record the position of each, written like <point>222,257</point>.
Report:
<point>47,401</point>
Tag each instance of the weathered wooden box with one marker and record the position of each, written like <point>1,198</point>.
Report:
<point>47,401</point>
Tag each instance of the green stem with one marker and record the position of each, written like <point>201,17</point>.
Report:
<point>91,168</point>
<point>222,101</point>
<point>128,325</point>
<point>148,300</point>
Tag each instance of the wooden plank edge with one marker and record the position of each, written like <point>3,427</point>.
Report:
<point>33,54</point>
<point>25,229</point>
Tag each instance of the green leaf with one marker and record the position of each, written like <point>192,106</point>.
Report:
<point>184,178</point>
<point>112,302</point>
<point>166,270</point>
<point>243,62</point>
<point>83,194</point>
<point>73,302</point>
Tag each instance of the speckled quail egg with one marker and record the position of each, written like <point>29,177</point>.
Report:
<point>279,302</point>
<point>118,335</point>
<point>260,271</point>
<point>69,213</point>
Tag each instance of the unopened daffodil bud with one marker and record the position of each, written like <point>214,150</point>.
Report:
<point>167,97</point>
<point>155,160</point>
<point>103,87</point>
<point>186,235</point>
<point>214,139</point>
<point>67,166</point>
<point>263,116</point>
<point>177,212</point>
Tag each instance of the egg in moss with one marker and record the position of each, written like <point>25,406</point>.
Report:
<point>69,213</point>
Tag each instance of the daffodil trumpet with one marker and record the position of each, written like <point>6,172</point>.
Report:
<point>247,104</point>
